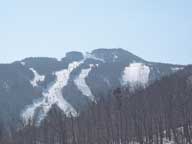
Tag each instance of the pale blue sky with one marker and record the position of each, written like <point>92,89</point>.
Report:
<point>157,30</point>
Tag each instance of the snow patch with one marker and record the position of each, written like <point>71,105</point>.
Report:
<point>136,74</point>
<point>53,95</point>
<point>23,63</point>
<point>37,78</point>
<point>166,141</point>
<point>175,69</point>
<point>81,84</point>
<point>29,112</point>
<point>115,57</point>
<point>91,56</point>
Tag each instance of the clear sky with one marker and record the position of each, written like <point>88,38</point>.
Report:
<point>156,30</point>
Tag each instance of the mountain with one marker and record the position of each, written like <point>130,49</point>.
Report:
<point>29,88</point>
<point>159,114</point>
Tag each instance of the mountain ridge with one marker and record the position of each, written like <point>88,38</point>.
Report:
<point>76,78</point>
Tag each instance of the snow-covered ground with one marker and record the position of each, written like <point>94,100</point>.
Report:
<point>81,84</point>
<point>91,56</point>
<point>136,74</point>
<point>37,78</point>
<point>29,112</point>
<point>23,63</point>
<point>165,141</point>
<point>175,69</point>
<point>53,95</point>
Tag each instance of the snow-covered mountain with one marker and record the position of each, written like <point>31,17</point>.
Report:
<point>29,88</point>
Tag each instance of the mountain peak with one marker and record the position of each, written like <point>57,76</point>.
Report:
<point>116,53</point>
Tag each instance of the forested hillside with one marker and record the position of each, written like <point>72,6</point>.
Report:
<point>159,114</point>
<point>29,88</point>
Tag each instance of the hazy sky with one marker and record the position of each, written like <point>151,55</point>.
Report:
<point>157,30</point>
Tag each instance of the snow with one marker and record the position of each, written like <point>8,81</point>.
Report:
<point>53,95</point>
<point>37,78</point>
<point>81,84</point>
<point>175,69</point>
<point>136,74</point>
<point>54,92</point>
<point>133,142</point>
<point>91,56</point>
<point>166,141</point>
<point>23,63</point>
<point>29,112</point>
<point>115,57</point>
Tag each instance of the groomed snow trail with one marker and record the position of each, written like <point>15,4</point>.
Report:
<point>81,84</point>
<point>53,95</point>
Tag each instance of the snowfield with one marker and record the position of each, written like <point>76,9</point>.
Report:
<point>136,74</point>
